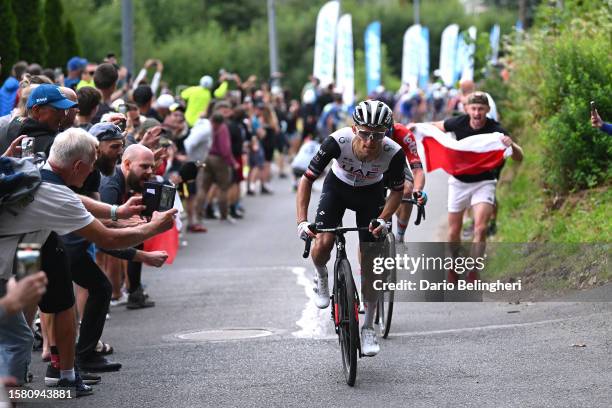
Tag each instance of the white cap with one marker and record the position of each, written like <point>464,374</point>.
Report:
<point>206,81</point>
<point>165,101</point>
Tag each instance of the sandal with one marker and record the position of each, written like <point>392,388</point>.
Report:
<point>197,228</point>
<point>104,348</point>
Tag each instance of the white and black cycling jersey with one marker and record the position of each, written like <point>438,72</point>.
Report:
<point>390,164</point>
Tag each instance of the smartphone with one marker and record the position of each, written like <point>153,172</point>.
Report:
<point>593,108</point>
<point>157,197</point>
<point>28,260</point>
<point>27,147</point>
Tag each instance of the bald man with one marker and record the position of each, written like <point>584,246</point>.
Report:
<point>136,168</point>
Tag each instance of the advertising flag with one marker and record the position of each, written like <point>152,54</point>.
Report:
<point>325,41</point>
<point>411,56</point>
<point>448,54</point>
<point>345,61</point>
<point>373,56</point>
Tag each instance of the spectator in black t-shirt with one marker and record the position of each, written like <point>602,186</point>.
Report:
<point>136,167</point>
<point>476,191</point>
<point>105,79</point>
<point>143,97</point>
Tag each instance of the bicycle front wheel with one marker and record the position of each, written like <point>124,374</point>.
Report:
<point>348,330</point>
<point>384,307</point>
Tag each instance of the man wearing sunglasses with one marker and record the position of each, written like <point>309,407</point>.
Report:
<point>363,156</point>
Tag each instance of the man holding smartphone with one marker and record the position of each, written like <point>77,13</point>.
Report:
<point>597,122</point>
<point>136,168</point>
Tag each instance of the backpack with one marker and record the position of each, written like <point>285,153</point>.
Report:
<point>19,180</point>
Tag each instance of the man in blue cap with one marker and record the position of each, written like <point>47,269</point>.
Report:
<point>47,108</point>
<point>75,68</point>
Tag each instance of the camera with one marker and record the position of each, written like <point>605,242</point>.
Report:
<point>157,197</point>
<point>28,260</point>
<point>27,147</point>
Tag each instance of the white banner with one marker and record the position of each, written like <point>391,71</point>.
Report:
<point>325,41</point>
<point>424,59</point>
<point>494,41</point>
<point>345,61</point>
<point>448,54</point>
<point>468,58</point>
<point>373,56</point>
<point>411,56</point>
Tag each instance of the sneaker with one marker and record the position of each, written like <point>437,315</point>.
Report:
<point>265,190</point>
<point>228,220</point>
<point>138,300</point>
<point>399,238</point>
<point>235,214</point>
<point>210,213</point>
<point>369,342</point>
<point>79,386</point>
<point>250,192</point>
<point>121,301</point>
<point>52,377</point>
<point>97,363</point>
<point>321,291</point>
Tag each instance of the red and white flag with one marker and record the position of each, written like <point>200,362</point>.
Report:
<point>472,155</point>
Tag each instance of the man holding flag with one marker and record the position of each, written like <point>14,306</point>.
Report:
<point>474,162</point>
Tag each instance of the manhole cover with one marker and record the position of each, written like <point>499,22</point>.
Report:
<point>224,334</point>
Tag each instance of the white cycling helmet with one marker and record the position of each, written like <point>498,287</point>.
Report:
<point>374,114</point>
<point>206,81</point>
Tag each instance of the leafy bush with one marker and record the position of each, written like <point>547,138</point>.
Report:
<point>561,66</point>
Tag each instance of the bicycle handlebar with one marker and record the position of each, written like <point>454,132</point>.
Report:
<point>420,209</point>
<point>337,230</point>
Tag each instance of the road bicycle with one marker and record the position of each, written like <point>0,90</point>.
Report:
<point>344,301</point>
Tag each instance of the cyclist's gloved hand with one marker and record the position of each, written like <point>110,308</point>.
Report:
<point>421,197</point>
<point>378,227</point>
<point>303,231</point>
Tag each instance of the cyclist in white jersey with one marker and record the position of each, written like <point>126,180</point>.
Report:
<point>362,156</point>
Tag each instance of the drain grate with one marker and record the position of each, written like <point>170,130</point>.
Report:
<point>224,334</point>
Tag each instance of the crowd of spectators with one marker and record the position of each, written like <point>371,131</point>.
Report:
<point>97,136</point>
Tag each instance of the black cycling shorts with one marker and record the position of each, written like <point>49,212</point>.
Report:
<point>54,261</point>
<point>337,196</point>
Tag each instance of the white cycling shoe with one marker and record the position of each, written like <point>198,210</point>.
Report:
<point>369,342</point>
<point>321,291</point>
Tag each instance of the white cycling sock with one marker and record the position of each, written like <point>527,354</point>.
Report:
<point>321,270</point>
<point>370,312</point>
<point>68,374</point>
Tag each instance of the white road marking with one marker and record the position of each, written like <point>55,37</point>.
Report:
<point>314,322</point>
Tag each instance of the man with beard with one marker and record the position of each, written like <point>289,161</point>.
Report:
<point>136,167</point>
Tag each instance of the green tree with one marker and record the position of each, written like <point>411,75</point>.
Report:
<point>32,43</point>
<point>9,46</point>
<point>54,34</point>
<point>71,43</point>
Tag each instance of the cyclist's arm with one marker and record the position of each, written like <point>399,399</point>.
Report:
<point>419,179</point>
<point>329,149</point>
<point>303,199</point>
<point>395,183</point>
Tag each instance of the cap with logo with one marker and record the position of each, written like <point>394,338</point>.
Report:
<point>47,94</point>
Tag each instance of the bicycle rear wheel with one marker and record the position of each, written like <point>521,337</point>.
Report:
<point>384,307</point>
<point>348,331</point>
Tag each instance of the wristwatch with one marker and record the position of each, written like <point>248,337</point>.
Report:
<point>114,212</point>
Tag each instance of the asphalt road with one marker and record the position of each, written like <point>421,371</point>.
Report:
<point>251,276</point>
